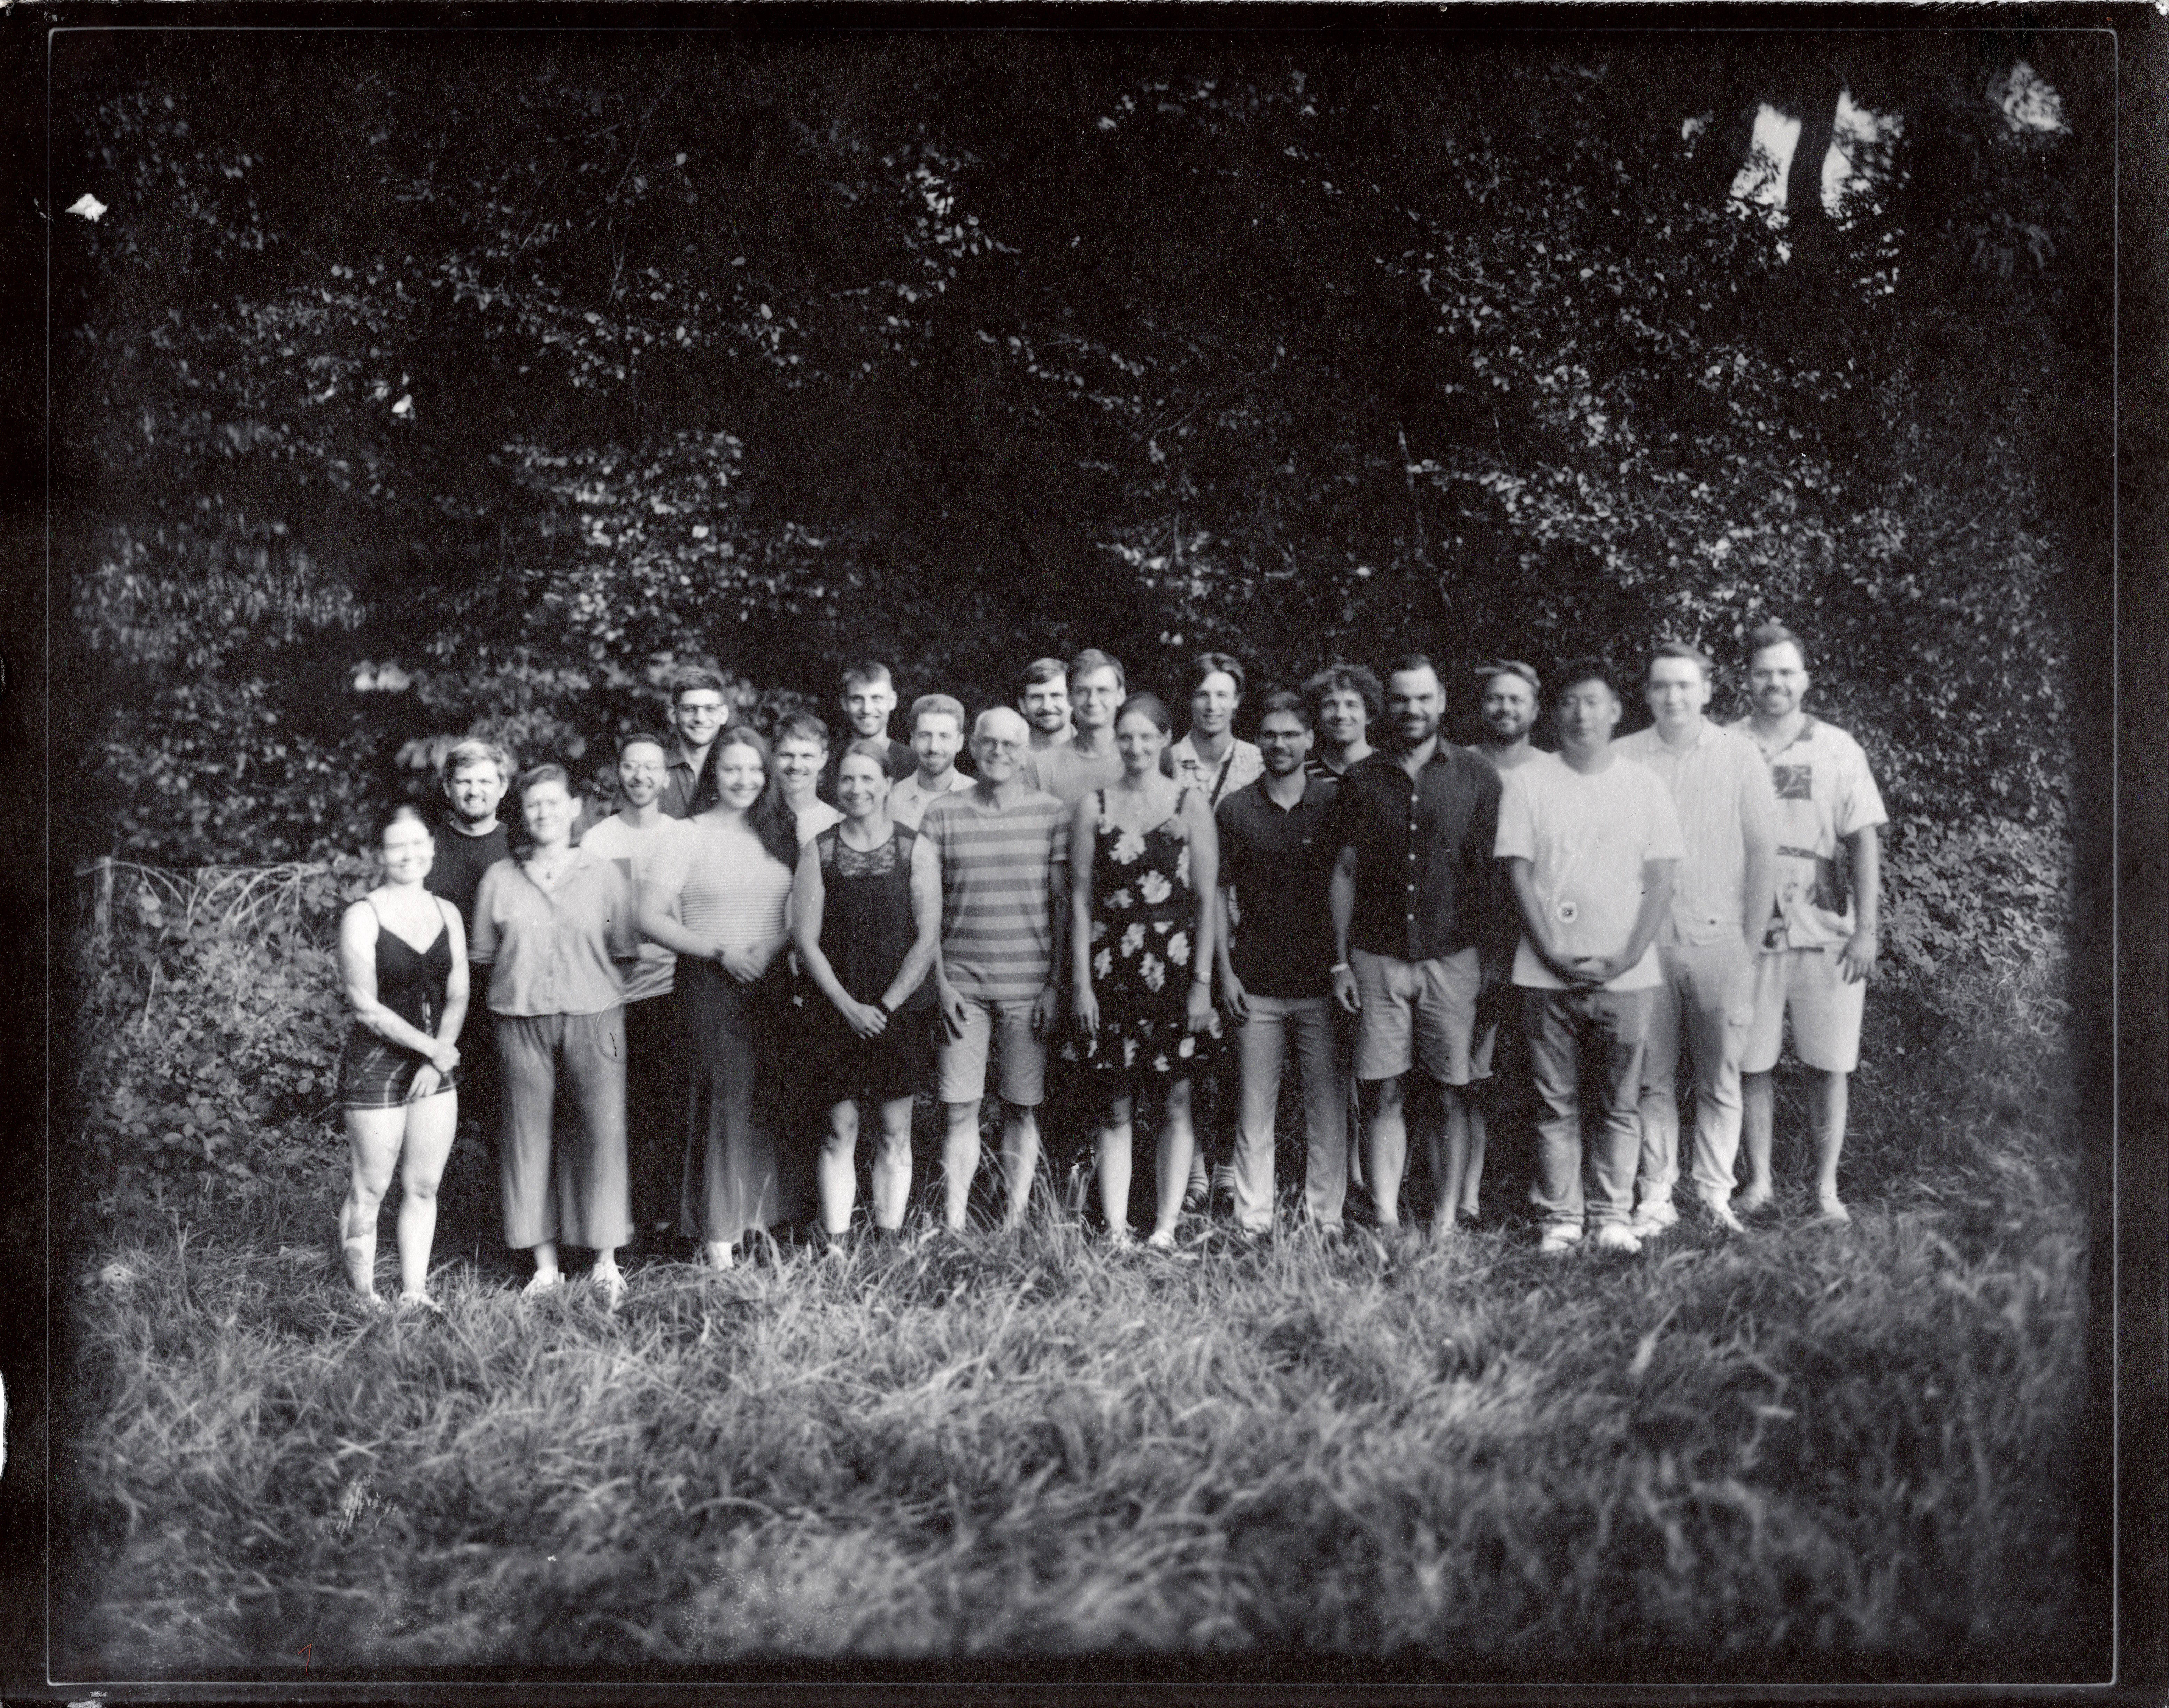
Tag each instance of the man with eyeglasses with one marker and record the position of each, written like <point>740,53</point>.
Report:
<point>655,1086</point>
<point>698,713</point>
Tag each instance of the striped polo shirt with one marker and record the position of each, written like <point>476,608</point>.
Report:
<point>1721,789</point>
<point>996,863</point>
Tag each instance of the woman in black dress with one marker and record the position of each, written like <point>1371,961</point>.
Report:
<point>1143,860</point>
<point>867,925</point>
<point>403,961</point>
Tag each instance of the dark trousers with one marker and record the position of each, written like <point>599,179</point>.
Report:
<point>655,1075</point>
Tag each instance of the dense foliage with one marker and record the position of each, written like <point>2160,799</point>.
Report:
<point>409,388</point>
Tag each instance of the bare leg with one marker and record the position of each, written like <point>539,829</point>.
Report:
<point>1111,1145</point>
<point>430,1126</point>
<point>838,1168</point>
<point>374,1136</point>
<point>1446,1134</point>
<point>1386,1149</point>
<point>960,1160</point>
<point>1757,1116</point>
<point>1471,1181</point>
<point>893,1165</point>
<point>1171,1155</point>
<point>1020,1158</point>
<point>1833,1094</point>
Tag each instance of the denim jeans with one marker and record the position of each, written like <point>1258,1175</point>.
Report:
<point>1590,1038</point>
<point>1322,1048</point>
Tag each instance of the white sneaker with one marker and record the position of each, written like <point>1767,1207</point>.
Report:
<point>1616,1236</point>
<point>1654,1217</point>
<point>1720,1212</point>
<point>1560,1239</point>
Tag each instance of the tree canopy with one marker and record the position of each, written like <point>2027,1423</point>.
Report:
<point>412,384</point>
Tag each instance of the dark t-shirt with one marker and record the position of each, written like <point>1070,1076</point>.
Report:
<point>1279,863</point>
<point>461,859</point>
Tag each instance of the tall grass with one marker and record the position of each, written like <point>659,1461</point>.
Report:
<point>1802,1453</point>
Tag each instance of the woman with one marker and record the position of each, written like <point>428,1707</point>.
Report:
<point>1144,862</point>
<point>552,923</point>
<point>403,959</point>
<point>867,925</point>
<point>717,897</point>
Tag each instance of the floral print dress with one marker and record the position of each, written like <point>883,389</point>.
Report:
<point>1143,913</point>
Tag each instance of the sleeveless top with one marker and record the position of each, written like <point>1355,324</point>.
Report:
<point>411,982</point>
<point>865,915</point>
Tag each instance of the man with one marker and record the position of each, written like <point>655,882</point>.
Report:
<point>1820,944</point>
<point>868,697</point>
<point>1073,769</point>
<point>698,713</point>
<point>1589,844</point>
<point>1344,700</point>
<point>1209,758</point>
<point>937,735</point>
<point>1417,929</point>
<point>1508,694</point>
<point>1001,851</point>
<point>1276,977</point>
<point>801,759</point>
<point>655,1128</point>
<point>1706,945</point>
<point>1043,698</point>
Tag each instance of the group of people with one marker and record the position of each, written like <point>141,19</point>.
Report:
<point>773,942</point>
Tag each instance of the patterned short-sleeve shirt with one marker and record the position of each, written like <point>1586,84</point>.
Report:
<point>1825,793</point>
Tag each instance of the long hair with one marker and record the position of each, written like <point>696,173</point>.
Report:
<point>770,817</point>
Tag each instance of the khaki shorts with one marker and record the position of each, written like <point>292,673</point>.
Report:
<point>1825,1010</point>
<point>963,1062</point>
<point>1419,1013</point>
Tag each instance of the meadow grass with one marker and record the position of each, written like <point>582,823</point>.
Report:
<point>1803,1453</point>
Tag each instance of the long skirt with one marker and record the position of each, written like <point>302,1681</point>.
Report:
<point>739,1173</point>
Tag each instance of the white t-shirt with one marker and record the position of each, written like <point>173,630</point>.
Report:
<point>634,851</point>
<point>1585,838</point>
<point>814,817</point>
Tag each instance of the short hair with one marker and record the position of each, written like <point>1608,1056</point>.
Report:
<point>1042,670</point>
<point>1588,668</point>
<point>1511,667</point>
<point>636,736</point>
<point>800,726</point>
<point>694,678</point>
<point>865,674</point>
<point>865,748</point>
<point>1764,636</point>
<point>475,750</point>
<point>935,705</point>
<point>400,814</point>
<point>1357,679</point>
<point>1092,658</point>
<point>1205,663</point>
<point>549,771</point>
<point>1681,649</point>
<point>1286,701</point>
<point>1409,663</point>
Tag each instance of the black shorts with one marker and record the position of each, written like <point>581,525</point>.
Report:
<point>373,1074</point>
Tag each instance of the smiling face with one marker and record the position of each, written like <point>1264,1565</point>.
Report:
<point>1588,711</point>
<point>1212,704</point>
<point>1285,741</point>
<point>1046,707</point>
<point>1096,694</point>
<point>1139,741</point>
<point>1342,717</point>
<point>936,741</point>
<point>1415,701</point>
<point>740,776</point>
<point>798,762</point>
<point>1776,680</point>
<point>475,788</point>
<point>1509,710</point>
<point>547,810</point>
<point>867,707</point>
<point>861,786</point>
<point>1678,691</point>
<point>408,850</point>
<point>697,715</point>
<point>641,770</point>
<point>999,741</point>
